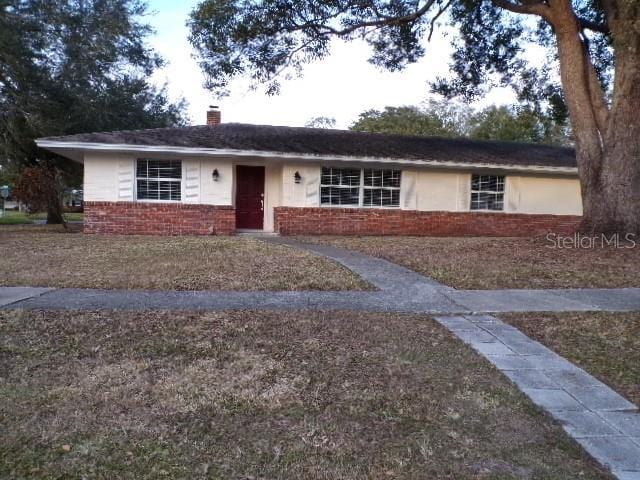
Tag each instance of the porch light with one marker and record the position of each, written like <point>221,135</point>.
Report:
<point>215,175</point>
<point>297,178</point>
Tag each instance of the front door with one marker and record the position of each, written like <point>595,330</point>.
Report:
<point>249,197</point>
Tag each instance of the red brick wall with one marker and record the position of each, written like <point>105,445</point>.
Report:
<point>158,218</point>
<point>350,221</point>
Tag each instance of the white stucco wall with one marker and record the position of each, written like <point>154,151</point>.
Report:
<point>220,192</point>
<point>441,191</point>
<point>435,190</point>
<point>303,194</point>
<point>557,195</point>
<point>111,178</point>
<point>273,181</point>
<point>108,178</point>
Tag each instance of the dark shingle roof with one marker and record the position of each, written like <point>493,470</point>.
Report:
<point>317,141</point>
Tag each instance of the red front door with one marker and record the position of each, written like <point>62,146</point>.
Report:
<point>249,197</point>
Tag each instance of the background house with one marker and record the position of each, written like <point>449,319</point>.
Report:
<point>220,178</point>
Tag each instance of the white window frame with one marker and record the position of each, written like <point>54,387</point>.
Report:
<point>361,188</point>
<point>495,192</point>
<point>346,187</point>
<point>160,179</point>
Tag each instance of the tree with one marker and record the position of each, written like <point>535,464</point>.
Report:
<point>517,124</point>
<point>321,122</point>
<point>433,120</point>
<point>41,188</point>
<point>595,45</point>
<point>444,119</point>
<point>74,66</point>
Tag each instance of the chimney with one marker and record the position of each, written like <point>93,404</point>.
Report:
<point>213,115</point>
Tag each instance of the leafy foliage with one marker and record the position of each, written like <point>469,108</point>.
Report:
<point>518,124</point>
<point>74,66</point>
<point>321,122</point>
<point>449,119</point>
<point>268,38</point>
<point>411,120</point>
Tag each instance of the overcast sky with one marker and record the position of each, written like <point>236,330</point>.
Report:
<point>341,86</point>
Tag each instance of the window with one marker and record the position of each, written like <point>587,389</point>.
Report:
<point>158,179</point>
<point>356,187</point>
<point>340,186</point>
<point>487,192</point>
<point>381,188</point>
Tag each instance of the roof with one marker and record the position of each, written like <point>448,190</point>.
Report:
<point>329,143</point>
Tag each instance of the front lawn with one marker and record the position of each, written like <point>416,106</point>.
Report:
<point>13,217</point>
<point>607,345</point>
<point>46,256</point>
<point>498,263</point>
<point>263,395</point>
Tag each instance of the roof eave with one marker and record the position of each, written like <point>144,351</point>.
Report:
<point>72,149</point>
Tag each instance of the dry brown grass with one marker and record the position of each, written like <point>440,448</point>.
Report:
<point>262,395</point>
<point>48,257</point>
<point>497,263</point>
<point>607,345</point>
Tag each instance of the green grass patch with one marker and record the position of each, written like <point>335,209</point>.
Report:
<point>14,217</point>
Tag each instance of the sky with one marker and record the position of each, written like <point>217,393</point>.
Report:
<point>340,86</point>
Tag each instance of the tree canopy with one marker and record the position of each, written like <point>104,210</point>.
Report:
<point>266,38</point>
<point>321,122</point>
<point>447,119</point>
<point>75,66</point>
<point>433,120</point>
<point>518,124</point>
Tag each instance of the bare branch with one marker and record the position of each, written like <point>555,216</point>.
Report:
<point>435,18</point>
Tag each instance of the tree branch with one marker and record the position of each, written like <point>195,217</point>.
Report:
<point>594,26</point>
<point>531,7</point>
<point>386,20</point>
<point>435,18</point>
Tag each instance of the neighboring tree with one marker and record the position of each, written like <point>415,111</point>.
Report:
<point>41,188</point>
<point>445,119</point>
<point>74,66</point>
<point>264,38</point>
<point>434,120</point>
<point>517,124</point>
<point>321,122</point>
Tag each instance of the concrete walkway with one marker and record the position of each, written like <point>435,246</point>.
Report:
<point>602,421</point>
<point>11,295</point>
<point>400,290</point>
<point>415,300</point>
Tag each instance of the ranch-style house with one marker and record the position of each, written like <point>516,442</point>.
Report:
<point>221,178</point>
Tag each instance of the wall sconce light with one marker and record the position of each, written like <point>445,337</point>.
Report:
<point>297,178</point>
<point>215,175</point>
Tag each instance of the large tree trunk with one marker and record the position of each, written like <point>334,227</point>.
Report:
<point>612,200</point>
<point>620,179</point>
<point>607,140</point>
<point>55,214</point>
<point>55,208</point>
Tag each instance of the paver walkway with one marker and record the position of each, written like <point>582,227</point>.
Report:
<point>603,422</point>
<point>606,424</point>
